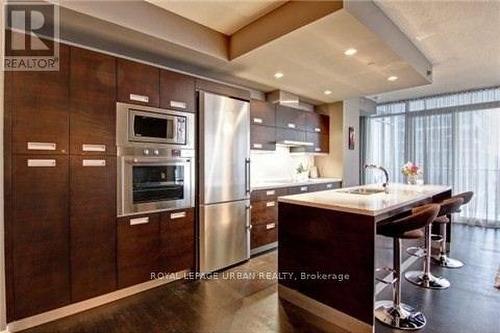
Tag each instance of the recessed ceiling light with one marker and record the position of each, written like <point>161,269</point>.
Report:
<point>392,78</point>
<point>350,52</point>
<point>278,75</point>
<point>327,92</point>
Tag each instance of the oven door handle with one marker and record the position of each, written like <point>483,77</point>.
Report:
<point>156,161</point>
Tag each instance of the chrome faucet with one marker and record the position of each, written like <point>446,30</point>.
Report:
<point>386,184</point>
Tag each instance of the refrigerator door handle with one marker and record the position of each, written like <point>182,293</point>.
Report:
<point>247,175</point>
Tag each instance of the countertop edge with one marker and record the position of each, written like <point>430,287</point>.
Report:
<point>313,182</point>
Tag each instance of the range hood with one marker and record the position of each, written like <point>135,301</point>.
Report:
<point>292,101</point>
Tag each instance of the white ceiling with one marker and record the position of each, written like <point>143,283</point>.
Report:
<point>226,16</point>
<point>460,38</point>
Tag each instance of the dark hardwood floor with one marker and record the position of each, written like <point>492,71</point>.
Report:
<point>251,305</point>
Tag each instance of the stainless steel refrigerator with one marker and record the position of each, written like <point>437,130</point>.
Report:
<point>224,187</point>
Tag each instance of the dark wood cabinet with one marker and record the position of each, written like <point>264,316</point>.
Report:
<point>177,240</point>
<point>299,189</point>
<point>265,211</point>
<point>93,226</point>
<point>262,113</point>
<point>320,141</point>
<point>290,118</point>
<point>39,229</point>
<point>138,83</point>
<point>38,104</point>
<point>317,123</point>
<point>92,103</point>
<point>138,248</point>
<point>287,134</point>
<point>222,89</point>
<point>177,91</point>
<point>262,137</point>
<point>324,186</point>
<point>263,234</point>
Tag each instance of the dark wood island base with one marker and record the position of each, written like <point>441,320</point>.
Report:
<point>326,256</point>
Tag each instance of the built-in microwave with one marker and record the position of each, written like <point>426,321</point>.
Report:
<point>142,126</point>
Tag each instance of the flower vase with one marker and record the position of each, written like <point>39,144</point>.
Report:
<point>412,180</point>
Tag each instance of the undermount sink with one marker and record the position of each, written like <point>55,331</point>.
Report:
<point>363,191</point>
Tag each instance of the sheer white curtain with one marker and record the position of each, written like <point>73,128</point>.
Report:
<point>456,140</point>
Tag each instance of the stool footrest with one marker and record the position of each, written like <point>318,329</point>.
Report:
<point>416,251</point>
<point>388,270</point>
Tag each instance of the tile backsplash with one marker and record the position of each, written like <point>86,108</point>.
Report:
<point>277,165</point>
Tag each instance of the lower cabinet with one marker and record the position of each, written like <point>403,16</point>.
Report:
<point>93,226</point>
<point>138,248</point>
<point>263,234</point>
<point>177,240</point>
<point>39,232</point>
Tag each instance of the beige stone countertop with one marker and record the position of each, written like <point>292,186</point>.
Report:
<point>373,204</point>
<point>266,185</point>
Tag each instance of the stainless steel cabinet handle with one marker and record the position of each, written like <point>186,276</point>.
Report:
<point>95,163</point>
<point>291,125</point>
<point>178,105</point>
<point>270,203</point>
<point>92,147</point>
<point>41,146</point>
<point>247,175</point>
<point>139,220</point>
<point>317,130</point>
<point>329,185</point>
<point>257,120</point>
<point>271,192</point>
<point>178,215</point>
<point>40,163</point>
<point>139,98</point>
<point>303,188</point>
<point>317,149</point>
<point>270,226</point>
<point>257,145</point>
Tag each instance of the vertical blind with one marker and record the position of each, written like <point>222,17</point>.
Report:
<point>455,138</point>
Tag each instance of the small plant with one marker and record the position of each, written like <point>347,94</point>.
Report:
<point>301,169</point>
<point>411,169</point>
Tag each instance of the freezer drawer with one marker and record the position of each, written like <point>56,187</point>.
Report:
<point>224,235</point>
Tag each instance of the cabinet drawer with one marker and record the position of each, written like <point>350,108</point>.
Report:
<point>290,118</point>
<point>177,91</point>
<point>262,113</point>
<point>177,240</point>
<point>317,123</point>
<point>263,234</point>
<point>269,194</point>
<point>138,248</point>
<point>299,189</point>
<point>264,212</point>
<point>262,138</point>
<point>324,186</point>
<point>138,83</point>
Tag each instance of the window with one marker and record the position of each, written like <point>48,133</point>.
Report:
<point>456,140</point>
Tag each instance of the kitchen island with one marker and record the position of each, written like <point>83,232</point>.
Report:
<point>326,249</point>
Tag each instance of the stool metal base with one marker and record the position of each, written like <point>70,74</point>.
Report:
<point>402,317</point>
<point>429,281</point>
<point>446,262</point>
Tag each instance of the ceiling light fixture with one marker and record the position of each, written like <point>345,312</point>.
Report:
<point>392,78</point>
<point>350,52</point>
<point>278,75</point>
<point>327,92</point>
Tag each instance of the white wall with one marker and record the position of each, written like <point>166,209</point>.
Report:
<point>277,166</point>
<point>351,157</point>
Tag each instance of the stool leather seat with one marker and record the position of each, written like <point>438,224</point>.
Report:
<point>441,219</point>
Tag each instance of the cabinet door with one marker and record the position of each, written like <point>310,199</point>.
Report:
<point>177,236</point>
<point>286,134</point>
<point>264,212</point>
<point>93,226</point>
<point>138,250</point>
<point>138,83</point>
<point>177,91</point>
<point>262,137</point>
<point>299,189</point>
<point>262,113</point>
<point>263,234</point>
<point>317,123</point>
<point>40,234</point>
<point>320,141</point>
<point>287,117</point>
<point>39,106</point>
<point>92,99</point>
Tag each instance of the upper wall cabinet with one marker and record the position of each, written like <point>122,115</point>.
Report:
<point>262,113</point>
<point>317,123</point>
<point>177,91</point>
<point>290,118</point>
<point>38,104</point>
<point>138,83</point>
<point>92,100</point>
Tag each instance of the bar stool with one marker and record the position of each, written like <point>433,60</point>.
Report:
<point>394,313</point>
<point>442,258</point>
<point>425,278</point>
